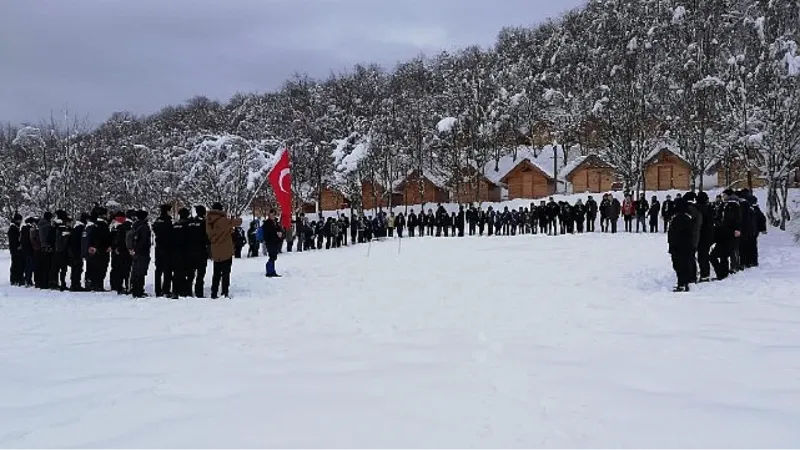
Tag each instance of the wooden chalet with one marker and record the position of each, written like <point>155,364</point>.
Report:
<point>417,189</point>
<point>375,196</point>
<point>528,181</point>
<point>665,170</point>
<point>476,187</point>
<point>733,173</point>
<point>332,199</point>
<point>590,173</point>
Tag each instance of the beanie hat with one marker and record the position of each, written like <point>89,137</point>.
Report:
<point>201,210</point>
<point>17,217</point>
<point>141,214</point>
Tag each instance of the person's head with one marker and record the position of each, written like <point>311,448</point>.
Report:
<point>164,209</point>
<point>48,215</point>
<point>590,198</point>
<point>184,213</point>
<point>17,219</point>
<point>727,193</point>
<point>702,198</point>
<point>271,214</point>
<point>690,197</point>
<point>200,210</point>
<point>30,220</point>
<point>84,217</point>
<point>61,215</point>
<point>681,206</point>
<point>669,197</point>
<point>654,199</point>
<point>141,215</point>
<point>677,196</point>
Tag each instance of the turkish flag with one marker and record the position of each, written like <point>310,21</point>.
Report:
<point>280,177</point>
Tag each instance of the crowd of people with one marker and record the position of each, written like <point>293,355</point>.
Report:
<point>701,234</point>
<point>43,250</point>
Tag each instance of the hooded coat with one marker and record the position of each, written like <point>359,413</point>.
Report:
<point>218,229</point>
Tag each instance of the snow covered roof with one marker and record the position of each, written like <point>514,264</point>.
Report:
<point>570,167</point>
<point>664,147</point>
<point>545,161</point>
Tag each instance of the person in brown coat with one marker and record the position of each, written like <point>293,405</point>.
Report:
<point>218,229</point>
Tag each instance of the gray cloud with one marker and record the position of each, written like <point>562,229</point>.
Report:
<point>100,56</point>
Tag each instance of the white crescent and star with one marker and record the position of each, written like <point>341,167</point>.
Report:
<point>284,172</point>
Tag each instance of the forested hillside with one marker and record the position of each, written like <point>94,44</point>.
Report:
<point>719,79</point>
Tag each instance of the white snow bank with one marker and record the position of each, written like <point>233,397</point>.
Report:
<point>446,125</point>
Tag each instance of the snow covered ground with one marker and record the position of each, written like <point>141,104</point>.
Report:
<point>528,341</point>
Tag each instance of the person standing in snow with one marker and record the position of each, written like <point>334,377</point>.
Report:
<point>99,248</point>
<point>613,213</point>
<point>591,214</point>
<point>552,213</point>
<point>272,237</point>
<point>14,234</point>
<point>28,253</point>
<point>239,240</point>
<point>162,229</point>
<point>655,208</point>
<point>728,230</point>
<point>198,245</point>
<point>63,230</point>
<point>218,229</point>
<point>75,254</point>
<point>579,213</point>
<point>642,207</point>
<point>400,223</point>
<point>628,211</point>
<point>180,255</point>
<point>697,225</point>
<point>681,247</point>
<point>605,210</point>
<point>706,236</point>
<point>138,240</point>
<point>252,241</point>
<point>120,257</point>
<point>667,209</point>
<point>44,260</point>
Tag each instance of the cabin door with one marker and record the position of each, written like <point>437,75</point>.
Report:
<point>664,178</point>
<point>593,183</point>
<point>527,184</point>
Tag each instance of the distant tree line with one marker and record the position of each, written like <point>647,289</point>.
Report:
<point>719,79</point>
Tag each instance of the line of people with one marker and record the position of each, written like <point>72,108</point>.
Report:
<point>723,235</point>
<point>44,250</point>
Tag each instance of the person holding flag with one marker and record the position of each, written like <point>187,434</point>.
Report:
<point>280,178</point>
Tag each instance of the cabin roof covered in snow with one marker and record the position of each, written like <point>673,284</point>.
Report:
<point>663,147</point>
<point>544,161</point>
<point>577,162</point>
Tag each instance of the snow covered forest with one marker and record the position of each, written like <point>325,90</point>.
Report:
<point>718,79</point>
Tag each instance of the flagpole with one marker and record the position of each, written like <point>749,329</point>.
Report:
<point>266,177</point>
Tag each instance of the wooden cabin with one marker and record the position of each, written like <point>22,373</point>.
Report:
<point>332,200</point>
<point>740,177</point>
<point>666,170</point>
<point>432,190</point>
<point>374,196</point>
<point>476,187</point>
<point>591,174</point>
<point>526,180</point>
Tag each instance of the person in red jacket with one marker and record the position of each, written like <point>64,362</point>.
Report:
<point>628,212</point>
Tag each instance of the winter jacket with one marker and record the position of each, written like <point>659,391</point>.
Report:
<point>47,235</point>
<point>731,221</point>
<point>628,208</point>
<point>63,233</point>
<point>139,239</point>
<point>761,219</point>
<point>680,234</point>
<point>218,229</point>
<point>14,234</point>
<point>25,239</point>
<point>667,209</point>
<point>120,235</point>
<point>35,238</point>
<point>198,238</point>
<point>390,222</point>
<point>605,208</point>
<point>86,239</point>
<point>591,209</point>
<point>655,209</point>
<point>578,211</point>
<point>614,209</point>
<point>75,250</point>
<point>271,238</point>
<point>697,224</point>
<point>100,237</point>
<point>180,240</point>
<point>162,229</point>
<point>642,208</point>
<point>706,227</point>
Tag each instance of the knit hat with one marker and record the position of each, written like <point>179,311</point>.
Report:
<point>702,198</point>
<point>17,217</point>
<point>141,214</point>
<point>48,215</point>
<point>201,210</point>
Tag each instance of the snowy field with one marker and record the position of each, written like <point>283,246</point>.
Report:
<point>528,341</point>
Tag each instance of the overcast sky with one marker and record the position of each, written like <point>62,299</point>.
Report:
<point>101,56</point>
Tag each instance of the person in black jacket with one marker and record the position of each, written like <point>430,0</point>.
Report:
<point>138,241</point>
<point>121,261</point>
<point>749,230</point>
<point>725,235</point>
<point>579,214</point>
<point>272,239</point>
<point>655,209</point>
<point>706,236</point>
<point>681,247</point>
<point>239,239</point>
<point>642,208</point>
<point>28,252</point>
<point>412,223</point>
<point>552,213</point>
<point>17,275</point>
<point>252,240</point>
<point>180,255</point>
<point>667,209</point>
<point>75,254</point>
<point>591,214</point>
<point>198,247</point>
<point>761,227</point>
<point>44,257</point>
<point>162,229</point>
<point>400,223</point>
<point>99,248</point>
<point>460,218</point>
<point>63,231</point>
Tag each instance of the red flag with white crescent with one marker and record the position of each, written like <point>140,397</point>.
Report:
<point>280,177</point>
